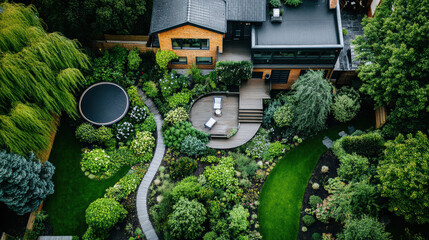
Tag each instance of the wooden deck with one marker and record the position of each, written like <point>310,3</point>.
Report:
<point>252,93</point>
<point>202,110</point>
<point>245,133</point>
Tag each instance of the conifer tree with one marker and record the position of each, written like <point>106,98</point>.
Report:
<point>24,183</point>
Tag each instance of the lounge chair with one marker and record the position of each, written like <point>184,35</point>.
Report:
<point>217,103</point>
<point>210,123</point>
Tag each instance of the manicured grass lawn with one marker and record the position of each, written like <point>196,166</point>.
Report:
<point>283,191</point>
<point>73,190</point>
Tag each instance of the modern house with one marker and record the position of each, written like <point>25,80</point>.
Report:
<point>281,49</point>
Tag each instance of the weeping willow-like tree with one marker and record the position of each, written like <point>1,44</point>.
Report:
<point>39,74</point>
<point>314,98</point>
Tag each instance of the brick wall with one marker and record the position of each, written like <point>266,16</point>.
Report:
<point>189,31</point>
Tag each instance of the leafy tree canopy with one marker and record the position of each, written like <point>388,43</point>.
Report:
<point>78,18</point>
<point>39,74</point>
<point>404,176</point>
<point>395,60</point>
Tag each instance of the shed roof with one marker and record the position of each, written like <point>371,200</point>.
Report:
<point>167,14</point>
<point>246,10</point>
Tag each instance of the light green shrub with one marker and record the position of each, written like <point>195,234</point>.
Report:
<point>86,133</point>
<point>143,144</point>
<point>176,115</point>
<point>104,213</point>
<point>150,89</point>
<point>284,115</point>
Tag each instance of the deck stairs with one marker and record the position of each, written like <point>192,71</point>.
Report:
<point>252,94</point>
<point>250,115</point>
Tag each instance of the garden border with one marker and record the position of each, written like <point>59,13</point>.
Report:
<point>141,199</point>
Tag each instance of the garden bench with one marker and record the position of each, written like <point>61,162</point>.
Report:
<point>210,123</point>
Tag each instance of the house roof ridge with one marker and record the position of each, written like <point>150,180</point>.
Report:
<point>188,16</point>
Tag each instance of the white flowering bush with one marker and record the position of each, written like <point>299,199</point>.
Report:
<point>170,84</point>
<point>143,144</point>
<point>138,114</point>
<point>124,131</point>
<point>97,162</point>
<point>258,145</point>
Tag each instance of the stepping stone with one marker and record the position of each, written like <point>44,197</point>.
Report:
<point>352,129</point>
<point>342,134</point>
<point>327,142</point>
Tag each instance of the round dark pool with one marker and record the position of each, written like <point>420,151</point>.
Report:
<point>104,103</point>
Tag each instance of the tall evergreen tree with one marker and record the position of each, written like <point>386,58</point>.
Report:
<point>394,58</point>
<point>24,183</point>
<point>39,75</point>
<point>313,95</point>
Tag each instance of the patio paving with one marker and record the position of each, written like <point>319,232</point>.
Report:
<point>202,110</point>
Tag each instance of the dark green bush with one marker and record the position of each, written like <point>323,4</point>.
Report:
<point>275,3</point>
<point>174,135</point>
<point>368,145</point>
<point>134,59</point>
<point>182,167</point>
<point>149,124</point>
<point>316,236</point>
<point>308,220</point>
<point>86,133</point>
<point>314,200</point>
<point>245,164</point>
<point>192,146</point>
<point>268,119</point>
<point>293,2</point>
<point>352,167</point>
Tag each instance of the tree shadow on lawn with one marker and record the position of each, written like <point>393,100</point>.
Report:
<point>283,191</point>
<point>73,190</point>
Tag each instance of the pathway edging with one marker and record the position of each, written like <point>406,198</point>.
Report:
<point>141,202</point>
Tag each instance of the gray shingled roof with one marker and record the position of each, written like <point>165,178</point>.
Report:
<point>167,14</point>
<point>246,10</point>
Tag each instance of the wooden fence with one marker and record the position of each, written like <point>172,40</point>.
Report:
<point>108,41</point>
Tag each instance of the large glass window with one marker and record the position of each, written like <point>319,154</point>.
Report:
<point>190,43</point>
<point>204,60</point>
<point>180,60</point>
<point>310,56</point>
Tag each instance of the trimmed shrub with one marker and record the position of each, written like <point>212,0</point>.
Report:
<point>187,188</point>
<point>316,236</point>
<point>352,167</point>
<point>104,134</point>
<point>150,89</point>
<point>86,133</point>
<point>126,185</point>
<point>314,200</point>
<point>345,107</point>
<point>192,146</point>
<point>164,57</point>
<point>308,220</point>
<point>182,167</point>
<point>177,115</point>
<point>368,145</point>
<point>135,99</point>
<point>222,175</point>
<point>284,116</point>
<point>104,213</point>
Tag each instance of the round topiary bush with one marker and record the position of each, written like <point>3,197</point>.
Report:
<point>86,133</point>
<point>104,134</point>
<point>316,236</point>
<point>314,200</point>
<point>193,146</point>
<point>104,213</point>
<point>308,220</point>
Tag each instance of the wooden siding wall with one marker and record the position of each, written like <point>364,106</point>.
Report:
<point>293,76</point>
<point>189,31</point>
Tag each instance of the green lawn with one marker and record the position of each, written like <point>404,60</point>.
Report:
<point>282,193</point>
<point>73,190</point>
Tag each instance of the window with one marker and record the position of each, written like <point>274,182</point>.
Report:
<point>190,43</point>
<point>204,60</point>
<point>180,60</point>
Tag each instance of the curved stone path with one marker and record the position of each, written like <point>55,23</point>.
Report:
<point>142,211</point>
